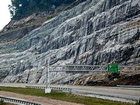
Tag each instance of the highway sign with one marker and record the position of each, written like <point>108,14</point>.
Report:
<point>113,68</point>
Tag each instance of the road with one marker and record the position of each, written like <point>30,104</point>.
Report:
<point>113,93</point>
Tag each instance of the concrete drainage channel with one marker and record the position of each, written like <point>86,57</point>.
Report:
<point>53,88</point>
<point>17,101</point>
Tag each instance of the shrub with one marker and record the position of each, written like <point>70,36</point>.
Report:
<point>1,102</point>
<point>138,102</point>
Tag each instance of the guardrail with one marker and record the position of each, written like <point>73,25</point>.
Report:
<point>36,87</point>
<point>63,89</point>
<point>17,101</point>
<point>53,88</point>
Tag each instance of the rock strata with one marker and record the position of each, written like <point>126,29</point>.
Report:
<point>94,32</point>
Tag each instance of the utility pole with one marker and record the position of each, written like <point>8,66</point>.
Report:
<point>48,89</point>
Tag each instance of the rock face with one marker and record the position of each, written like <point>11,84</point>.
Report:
<point>94,32</point>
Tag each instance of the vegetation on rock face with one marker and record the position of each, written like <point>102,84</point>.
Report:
<point>22,8</point>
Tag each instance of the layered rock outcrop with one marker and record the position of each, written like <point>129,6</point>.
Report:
<point>94,32</point>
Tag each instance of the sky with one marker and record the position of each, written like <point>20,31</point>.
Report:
<point>4,13</point>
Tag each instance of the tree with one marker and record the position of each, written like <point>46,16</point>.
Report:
<point>23,8</point>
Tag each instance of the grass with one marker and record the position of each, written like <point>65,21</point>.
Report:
<point>1,102</point>
<point>65,96</point>
<point>138,102</point>
<point>5,103</point>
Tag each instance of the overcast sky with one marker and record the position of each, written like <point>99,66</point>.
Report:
<point>4,13</point>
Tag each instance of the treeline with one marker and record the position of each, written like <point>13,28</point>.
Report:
<point>22,8</point>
